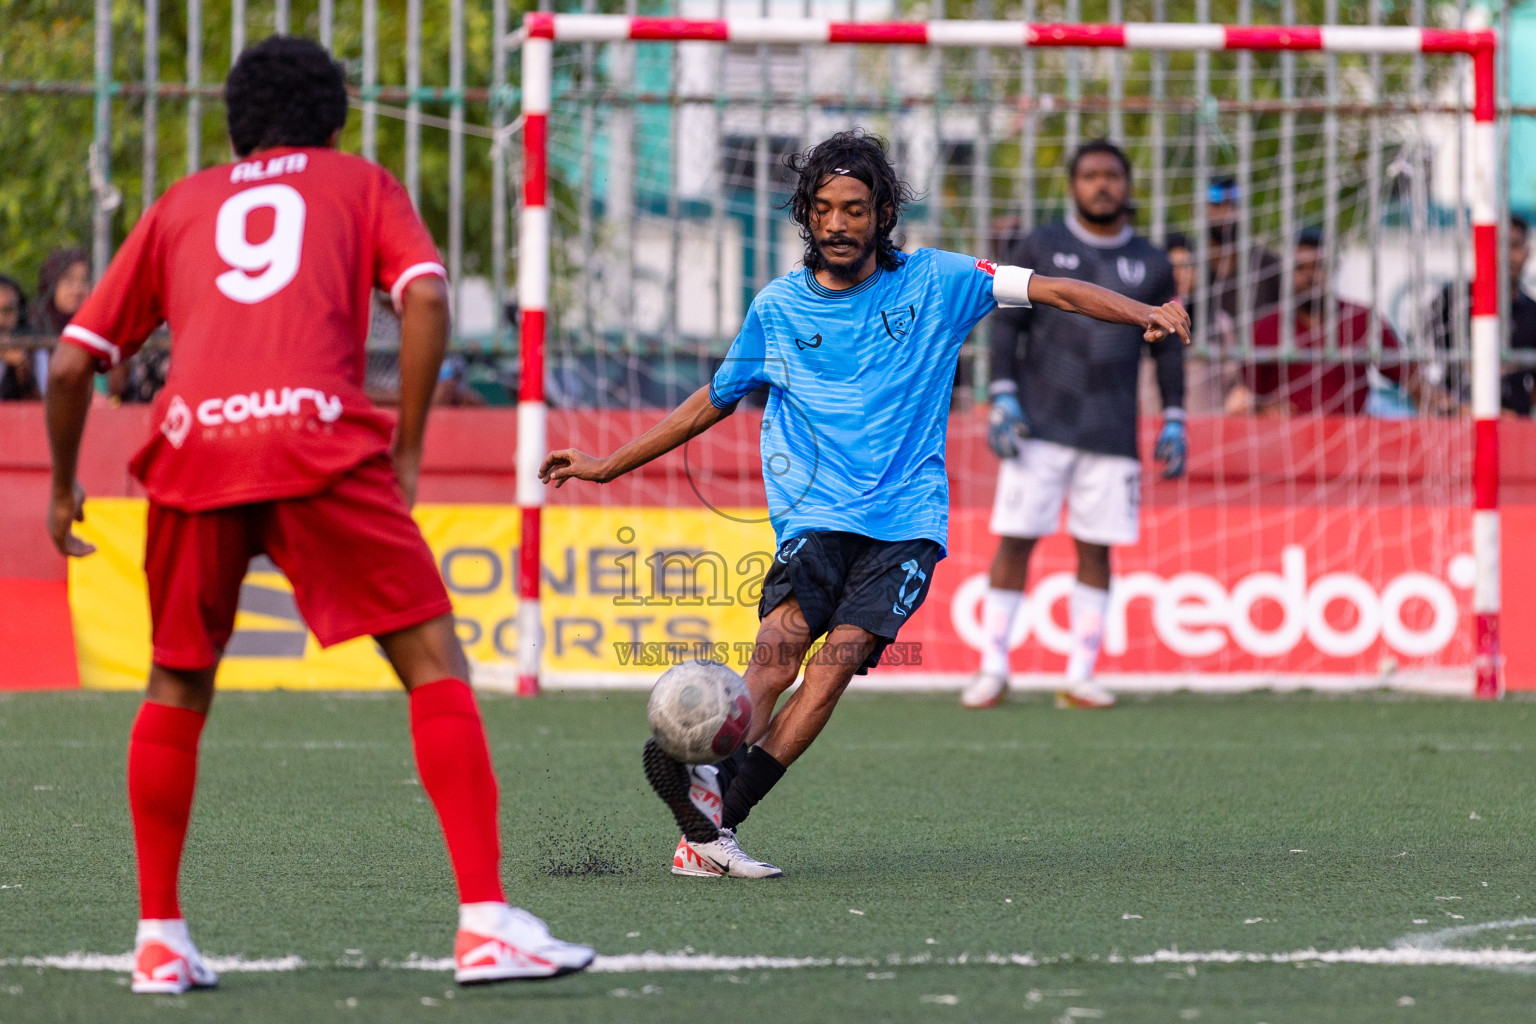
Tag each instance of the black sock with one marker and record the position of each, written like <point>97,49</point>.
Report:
<point>752,782</point>
<point>727,770</point>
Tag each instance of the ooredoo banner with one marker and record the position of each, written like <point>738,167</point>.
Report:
<point>628,590</point>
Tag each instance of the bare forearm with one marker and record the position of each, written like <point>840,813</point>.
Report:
<point>71,374</point>
<point>1088,299</point>
<point>423,340</point>
<point>696,415</point>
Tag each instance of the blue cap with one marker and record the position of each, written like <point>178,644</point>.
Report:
<point>1222,190</point>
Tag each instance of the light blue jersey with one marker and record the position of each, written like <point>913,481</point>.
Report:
<point>860,382</point>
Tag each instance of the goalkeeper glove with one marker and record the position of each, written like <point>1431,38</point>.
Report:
<point>1006,426</point>
<point>1172,448</point>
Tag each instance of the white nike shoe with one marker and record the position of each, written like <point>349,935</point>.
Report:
<point>704,791</point>
<point>501,943</point>
<point>1084,695</point>
<point>165,962</point>
<point>720,859</point>
<point>987,690</point>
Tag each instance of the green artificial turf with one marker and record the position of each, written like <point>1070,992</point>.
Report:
<point>1258,823</point>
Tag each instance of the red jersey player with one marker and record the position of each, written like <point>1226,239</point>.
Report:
<point>266,444</point>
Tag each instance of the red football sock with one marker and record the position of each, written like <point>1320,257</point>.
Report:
<point>455,768</point>
<point>162,771</point>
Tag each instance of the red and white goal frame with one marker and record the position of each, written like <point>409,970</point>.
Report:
<point>542,30</point>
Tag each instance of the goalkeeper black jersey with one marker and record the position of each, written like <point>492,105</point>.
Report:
<point>1076,377</point>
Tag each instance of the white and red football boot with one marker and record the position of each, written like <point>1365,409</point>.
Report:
<point>501,943</point>
<point>723,858</point>
<point>987,690</point>
<point>685,861</point>
<point>165,962</point>
<point>1085,694</point>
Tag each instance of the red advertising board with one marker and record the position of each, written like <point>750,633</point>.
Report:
<point>1363,591</point>
<point>1335,546</point>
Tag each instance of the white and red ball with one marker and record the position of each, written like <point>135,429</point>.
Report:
<point>699,711</point>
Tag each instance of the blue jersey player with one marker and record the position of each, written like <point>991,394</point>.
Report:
<point>858,349</point>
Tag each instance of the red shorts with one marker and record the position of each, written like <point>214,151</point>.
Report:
<point>357,561</point>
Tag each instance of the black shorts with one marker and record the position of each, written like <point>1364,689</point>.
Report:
<point>849,579</point>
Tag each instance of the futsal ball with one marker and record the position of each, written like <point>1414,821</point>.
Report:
<point>699,711</point>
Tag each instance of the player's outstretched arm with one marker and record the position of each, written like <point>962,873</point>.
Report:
<point>71,374</point>
<point>696,415</point>
<point>1156,322</point>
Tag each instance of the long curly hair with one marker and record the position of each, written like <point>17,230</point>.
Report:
<point>857,154</point>
<point>284,91</point>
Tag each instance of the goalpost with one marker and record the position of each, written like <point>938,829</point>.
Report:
<point>1425,487</point>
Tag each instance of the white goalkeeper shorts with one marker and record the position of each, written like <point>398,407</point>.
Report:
<point>1102,493</point>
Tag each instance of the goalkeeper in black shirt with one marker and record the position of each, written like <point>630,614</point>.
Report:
<point>1064,420</point>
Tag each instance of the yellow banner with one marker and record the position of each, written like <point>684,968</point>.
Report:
<point>621,586</point>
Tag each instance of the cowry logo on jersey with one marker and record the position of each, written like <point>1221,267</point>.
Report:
<point>815,342</point>
<point>258,405</point>
<point>898,321</point>
<point>177,423</point>
<point>1066,260</point>
<point>1132,272</point>
<point>906,596</point>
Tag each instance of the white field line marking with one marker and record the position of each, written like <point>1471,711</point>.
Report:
<point>1421,950</point>
<point>123,962</point>
<point>1439,940</point>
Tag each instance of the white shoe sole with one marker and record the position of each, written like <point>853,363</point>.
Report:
<point>1065,701</point>
<point>160,988</point>
<point>488,975</point>
<point>696,873</point>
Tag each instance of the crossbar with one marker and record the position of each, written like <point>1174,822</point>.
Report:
<point>603,28</point>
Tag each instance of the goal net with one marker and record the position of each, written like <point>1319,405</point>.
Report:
<point>1320,187</point>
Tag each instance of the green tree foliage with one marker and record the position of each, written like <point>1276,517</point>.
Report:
<point>45,193</point>
<point>45,198</point>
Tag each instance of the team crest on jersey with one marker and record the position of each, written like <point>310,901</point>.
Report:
<point>1066,260</point>
<point>1132,272</point>
<point>815,342</point>
<point>898,321</point>
<point>177,423</point>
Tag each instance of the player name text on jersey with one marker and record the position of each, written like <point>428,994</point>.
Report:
<point>261,170</point>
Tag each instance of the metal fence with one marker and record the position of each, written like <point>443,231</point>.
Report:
<point>436,94</point>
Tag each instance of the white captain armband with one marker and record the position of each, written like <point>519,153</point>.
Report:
<point>1010,287</point>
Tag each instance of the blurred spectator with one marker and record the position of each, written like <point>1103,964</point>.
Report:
<point>1208,374</point>
<point>1329,384</point>
<point>18,375</point>
<point>1263,266</point>
<point>381,378</point>
<point>452,388</point>
<point>144,375</point>
<point>1516,385</point>
<point>62,285</point>
<point>13,306</point>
